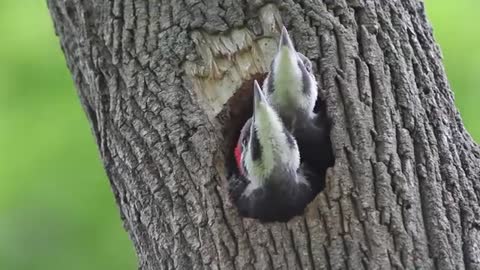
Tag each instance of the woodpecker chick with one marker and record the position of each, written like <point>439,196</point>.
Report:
<point>292,90</point>
<point>290,86</point>
<point>271,185</point>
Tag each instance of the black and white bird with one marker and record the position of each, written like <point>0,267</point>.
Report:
<point>271,184</point>
<point>292,91</point>
<point>290,86</point>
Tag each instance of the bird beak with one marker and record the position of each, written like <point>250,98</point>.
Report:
<point>258,96</point>
<point>285,41</point>
<point>286,57</point>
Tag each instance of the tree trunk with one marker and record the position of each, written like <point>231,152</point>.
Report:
<point>157,80</point>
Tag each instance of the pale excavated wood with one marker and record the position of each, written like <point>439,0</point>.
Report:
<point>404,192</point>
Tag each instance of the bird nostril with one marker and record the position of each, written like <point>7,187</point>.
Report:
<point>236,111</point>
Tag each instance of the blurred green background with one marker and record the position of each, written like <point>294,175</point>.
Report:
<point>56,207</point>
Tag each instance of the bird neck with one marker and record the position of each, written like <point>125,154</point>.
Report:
<point>275,149</point>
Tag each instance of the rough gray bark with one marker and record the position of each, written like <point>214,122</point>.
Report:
<point>153,77</point>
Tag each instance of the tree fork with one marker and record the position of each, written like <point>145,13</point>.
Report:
<point>164,85</point>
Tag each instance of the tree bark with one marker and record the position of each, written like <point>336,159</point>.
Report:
<point>166,84</point>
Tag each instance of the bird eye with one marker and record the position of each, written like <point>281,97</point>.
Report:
<point>304,62</point>
<point>244,141</point>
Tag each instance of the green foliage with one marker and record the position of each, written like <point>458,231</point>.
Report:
<point>56,207</point>
<point>456,30</point>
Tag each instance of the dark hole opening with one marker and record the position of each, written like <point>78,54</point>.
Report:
<point>320,105</point>
<point>237,111</point>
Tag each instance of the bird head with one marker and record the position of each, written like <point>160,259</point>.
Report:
<point>290,86</point>
<point>264,143</point>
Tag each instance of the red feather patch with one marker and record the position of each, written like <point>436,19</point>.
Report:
<point>238,156</point>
